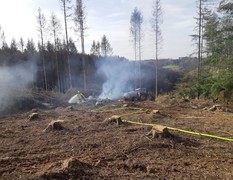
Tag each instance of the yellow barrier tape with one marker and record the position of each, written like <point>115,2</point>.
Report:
<point>121,108</point>
<point>184,131</point>
<point>138,123</point>
<point>142,110</point>
<point>201,134</point>
<point>128,114</point>
<point>109,110</point>
<point>100,109</point>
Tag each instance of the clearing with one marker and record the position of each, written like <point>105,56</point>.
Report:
<point>87,147</point>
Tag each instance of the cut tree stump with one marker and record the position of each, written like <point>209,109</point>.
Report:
<point>159,131</point>
<point>33,116</point>
<point>113,119</point>
<point>215,107</point>
<point>55,125</point>
<point>69,108</point>
<point>155,111</point>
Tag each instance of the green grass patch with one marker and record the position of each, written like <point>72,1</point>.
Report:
<point>172,67</point>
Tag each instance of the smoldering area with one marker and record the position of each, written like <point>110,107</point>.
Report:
<point>14,82</point>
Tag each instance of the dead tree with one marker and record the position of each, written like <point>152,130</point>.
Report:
<point>55,28</point>
<point>156,21</point>
<point>65,8</point>
<point>136,33</point>
<point>79,19</point>
<point>42,28</point>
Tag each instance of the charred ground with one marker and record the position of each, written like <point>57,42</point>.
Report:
<point>87,148</point>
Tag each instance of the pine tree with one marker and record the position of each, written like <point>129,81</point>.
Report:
<point>93,48</point>
<point>106,48</point>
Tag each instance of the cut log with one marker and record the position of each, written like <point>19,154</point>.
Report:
<point>159,131</point>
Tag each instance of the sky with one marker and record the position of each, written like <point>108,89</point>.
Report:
<point>110,18</point>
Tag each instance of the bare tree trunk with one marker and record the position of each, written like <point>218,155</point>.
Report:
<point>79,20</point>
<point>67,43</point>
<point>135,62</point>
<point>41,21</point>
<point>43,61</point>
<point>157,19</point>
<point>140,56</point>
<point>57,66</point>
<point>83,57</point>
<point>56,27</point>
<point>156,65</point>
<point>44,70</point>
<point>135,30</point>
<point>199,47</point>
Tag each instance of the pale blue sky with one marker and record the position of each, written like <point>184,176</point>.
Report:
<point>112,18</point>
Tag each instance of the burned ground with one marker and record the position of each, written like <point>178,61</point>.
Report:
<point>87,148</point>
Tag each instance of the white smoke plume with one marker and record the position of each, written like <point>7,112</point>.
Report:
<point>14,80</point>
<point>119,76</point>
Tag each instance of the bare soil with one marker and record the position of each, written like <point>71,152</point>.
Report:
<point>88,148</point>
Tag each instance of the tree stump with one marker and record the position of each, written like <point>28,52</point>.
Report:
<point>159,131</point>
<point>155,111</point>
<point>55,125</point>
<point>156,114</point>
<point>113,119</point>
<point>33,116</point>
<point>69,108</point>
<point>215,107</point>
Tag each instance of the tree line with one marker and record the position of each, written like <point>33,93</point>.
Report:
<point>61,66</point>
<point>55,57</point>
<point>52,67</point>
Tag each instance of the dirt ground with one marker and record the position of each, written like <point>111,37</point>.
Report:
<point>88,148</point>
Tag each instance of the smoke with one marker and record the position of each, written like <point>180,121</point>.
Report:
<point>14,80</point>
<point>119,77</point>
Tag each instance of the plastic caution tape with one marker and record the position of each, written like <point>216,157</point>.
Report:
<point>109,110</point>
<point>201,134</point>
<point>123,108</point>
<point>184,131</point>
<point>101,108</point>
<point>142,110</point>
<point>139,110</point>
<point>128,114</point>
